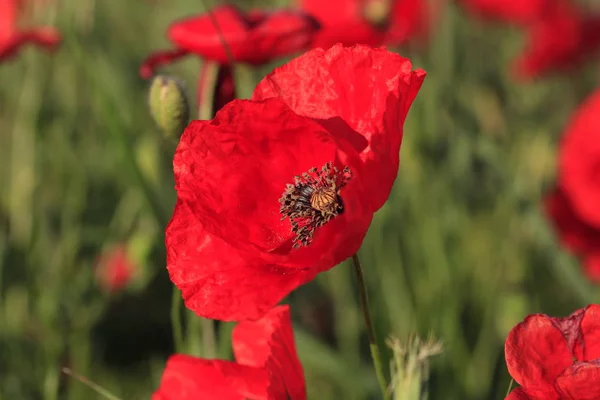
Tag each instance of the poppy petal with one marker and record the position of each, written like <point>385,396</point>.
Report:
<point>270,342</point>
<point>374,105</point>
<point>580,381</point>
<point>579,173</point>
<point>536,353</point>
<point>518,394</point>
<point>158,59</point>
<point>190,378</point>
<point>219,281</point>
<point>574,234</point>
<point>588,348</point>
<point>591,267</point>
<point>8,19</point>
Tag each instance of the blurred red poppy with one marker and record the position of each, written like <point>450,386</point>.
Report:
<point>579,161</point>
<point>508,11</point>
<point>561,39</point>
<point>556,358</point>
<point>576,235</point>
<point>227,35</point>
<point>266,366</point>
<point>369,22</point>
<point>114,269</point>
<point>275,190</point>
<point>12,38</point>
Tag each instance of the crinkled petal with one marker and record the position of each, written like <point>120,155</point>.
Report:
<point>220,281</point>
<point>233,170</point>
<point>579,161</point>
<point>518,394</point>
<point>369,90</point>
<point>581,381</point>
<point>269,342</point>
<point>536,353</point>
<point>588,347</point>
<point>575,234</point>
<point>191,378</point>
<point>228,33</point>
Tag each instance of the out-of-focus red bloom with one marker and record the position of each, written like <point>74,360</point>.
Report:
<point>11,38</point>
<point>275,190</point>
<point>266,366</point>
<point>114,270</point>
<point>556,358</point>
<point>227,34</point>
<point>517,12</point>
<point>369,22</point>
<point>579,161</point>
<point>561,39</point>
<point>575,234</point>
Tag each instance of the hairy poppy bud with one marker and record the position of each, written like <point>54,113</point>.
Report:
<point>169,106</point>
<point>410,367</point>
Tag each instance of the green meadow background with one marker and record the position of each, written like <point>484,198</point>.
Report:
<point>461,249</point>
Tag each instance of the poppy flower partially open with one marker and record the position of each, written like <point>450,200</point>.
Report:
<point>275,190</point>
<point>563,38</point>
<point>369,22</point>
<point>12,38</point>
<point>227,35</point>
<point>556,358</point>
<point>266,366</point>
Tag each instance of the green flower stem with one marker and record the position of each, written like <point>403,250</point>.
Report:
<point>94,386</point>
<point>364,302</point>
<point>176,301</point>
<point>207,85</point>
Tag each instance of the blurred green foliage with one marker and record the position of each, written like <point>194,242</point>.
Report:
<point>461,249</point>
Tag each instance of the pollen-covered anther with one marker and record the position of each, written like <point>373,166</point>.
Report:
<point>313,200</point>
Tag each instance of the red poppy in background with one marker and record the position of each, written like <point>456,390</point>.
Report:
<point>556,358</point>
<point>563,38</point>
<point>266,366</point>
<point>518,12</point>
<point>12,39</point>
<point>369,22</point>
<point>576,235</point>
<point>579,161</point>
<point>275,190</point>
<point>256,38</point>
<point>114,269</point>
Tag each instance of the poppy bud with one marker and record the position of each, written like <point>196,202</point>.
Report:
<point>169,106</point>
<point>410,367</point>
<point>377,12</point>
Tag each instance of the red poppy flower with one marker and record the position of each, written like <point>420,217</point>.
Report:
<point>114,269</point>
<point>562,39</point>
<point>266,366</point>
<point>255,38</point>
<point>508,11</point>
<point>273,191</point>
<point>11,38</point>
<point>369,22</point>
<point>556,358</point>
<point>579,161</point>
<point>576,235</point>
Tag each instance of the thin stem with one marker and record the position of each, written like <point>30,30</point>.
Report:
<point>176,320</point>
<point>364,303</point>
<point>209,345</point>
<point>510,387</point>
<point>207,85</point>
<point>94,386</point>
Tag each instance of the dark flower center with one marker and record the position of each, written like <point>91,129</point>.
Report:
<point>313,200</point>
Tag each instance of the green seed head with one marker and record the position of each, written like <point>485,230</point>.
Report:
<point>169,106</point>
